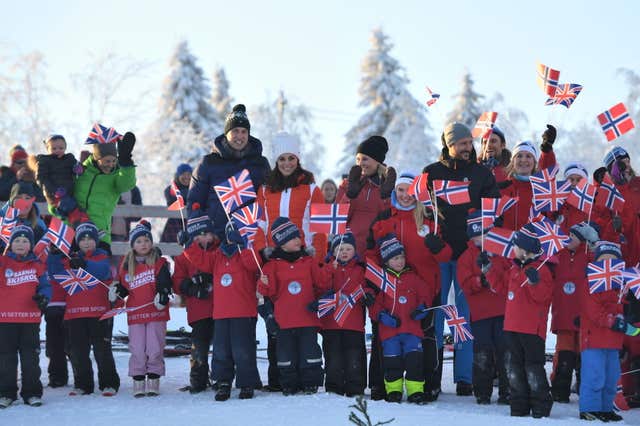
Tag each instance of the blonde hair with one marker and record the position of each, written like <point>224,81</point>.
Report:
<point>129,260</point>
<point>510,168</point>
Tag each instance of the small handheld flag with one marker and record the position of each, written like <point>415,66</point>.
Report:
<point>616,121</point>
<point>102,134</point>
<point>328,218</point>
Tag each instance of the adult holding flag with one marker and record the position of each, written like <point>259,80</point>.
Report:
<point>108,172</point>
<point>178,189</point>
<point>289,191</point>
<point>232,152</point>
<point>458,162</point>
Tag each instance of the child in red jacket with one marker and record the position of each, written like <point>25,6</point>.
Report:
<point>194,285</point>
<point>234,271</point>
<point>343,346</point>
<point>525,324</point>
<point>399,313</point>
<point>293,281</point>
<point>83,311</point>
<point>24,294</point>
<point>480,277</point>
<point>145,280</point>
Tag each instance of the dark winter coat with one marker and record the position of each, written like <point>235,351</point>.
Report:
<point>173,226</point>
<point>55,172</point>
<point>482,185</point>
<point>7,179</point>
<point>219,166</point>
<point>569,288</point>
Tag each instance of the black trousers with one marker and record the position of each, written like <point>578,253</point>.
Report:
<point>432,356</point>
<point>201,341</point>
<point>524,360</point>
<point>376,369</point>
<point>299,358</point>
<point>273,374</point>
<point>234,352</point>
<point>20,339</point>
<point>488,357</point>
<point>344,366</point>
<point>57,346</point>
<point>86,334</point>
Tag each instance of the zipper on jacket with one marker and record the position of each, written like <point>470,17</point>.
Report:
<point>89,192</point>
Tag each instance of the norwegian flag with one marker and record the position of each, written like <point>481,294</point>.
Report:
<point>328,218</point>
<point>552,239</point>
<point>582,196</point>
<point>178,204</point>
<point>380,278</point>
<point>452,191</point>
<point>458,324</point>
<point>246,221</point>
<point>549,196</point>
<point>548,79</point>
<point>102,134</point>
<point>326,304</point>
<point>60,234</point>
<point>620,402</point>
<point>419,189</point>
<point>235,191</point>
<point>484,125</point>
<point>41,249</point>
<point>565,95</point>
<point>75,281</point>
<point>615,121</point>
<point>117,311</point>
<point>605,275</point>
<point>346,303</point>
<point>505,204</point>
<point>608,195</point>
<point>433,97</point>
<point>7,223</point>
<point>489,211</point>
<point>631,278</point>
<point>499,241</point>
<point>545,175</point>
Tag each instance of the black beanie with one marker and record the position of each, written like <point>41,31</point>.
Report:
<point>237,118</point>
<point>375,147</point>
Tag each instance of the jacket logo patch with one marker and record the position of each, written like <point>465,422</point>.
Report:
<point>226,280</point>
<point>569,288</point>
<point>20,277</point>
<point>510,295</point>
<point>402,300</point>
<point>294,287</point>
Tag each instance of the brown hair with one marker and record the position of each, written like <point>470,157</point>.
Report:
<point>277,182</point>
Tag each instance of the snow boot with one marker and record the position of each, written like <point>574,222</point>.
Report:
<point>224,391</point>
<point>310,390</point>
<point>138,387</point>
<point>109,392</point>
<point>417,398</point>
<point>153,386</point>
<point>5,402</point>
<point>34,401</point>
<point>394,397</point>
<point>609,416</point>
<point>246,393</point>
<point>589,415</point>
<point>464,389</point>
<point>561,383</point>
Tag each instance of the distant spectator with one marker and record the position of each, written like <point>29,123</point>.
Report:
<point>329,191</point>
<point>182,178</point>
<point>26,174</point>
<point>18,157</point>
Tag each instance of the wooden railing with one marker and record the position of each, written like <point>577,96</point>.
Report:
<point>119,248</point>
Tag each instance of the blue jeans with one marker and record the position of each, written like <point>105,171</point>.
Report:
<point>599,375</point>
<point>463,362</point>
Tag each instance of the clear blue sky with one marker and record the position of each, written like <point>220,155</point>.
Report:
<point>313,50</point>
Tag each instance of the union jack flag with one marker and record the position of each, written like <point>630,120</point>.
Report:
<point>552,239</point>
<point>246,221</point>
<point>419,189</point>
<point>565,95</point>
<point>327,303</point>
<point>535,216</point>
<point>75,281</point>
<point>632,281</point>
<point>458,324</point>
<point>328,218</point>
<point>235,191</point>
<point>60,234</point>
<point>548,79</point>
<point>452,191</point>
<point>549,196</point>
<point>608,195</point>
<point>102,134</point>
<point>499,241</point>
<point>346,303</point>
<point>433,97</point>
<point>615,121</point>
<point>7,223</point>
<point>379,277</point>
<point>545,175</point>
<point>582,196</point>
<point>484,125</point>
<point>178,204</point>
<point>605,275</point>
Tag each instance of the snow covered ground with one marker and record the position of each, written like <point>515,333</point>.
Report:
<point>173,407</point>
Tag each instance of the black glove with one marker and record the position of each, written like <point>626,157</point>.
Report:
<point>498,222</point>
<point>163,298</point>
<point>266,312</point>
<point>203,283</point>
<point>66,205</point>
<point>548,138</point>
<point>121,291</point>
<point>125,148</point>
<point>484,282</point>
<point>434,243</point>
<point>387,183</point>
<point>532,275</point>
<point>483,259</point>
<point>313,306</point>
<point>188,287</point>
<point>234,237</point>
<point>355,182</point>
<point>619,324</point>
<point>77,262</point>
<point>598,174</point>
<point>41,300</point>
<point>617,223</point>
<point>183,238</point>
<point>369,299</point>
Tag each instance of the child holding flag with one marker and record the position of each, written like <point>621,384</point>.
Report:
<point>84,306</point>
<point>293,280</point>
<point>145,280</point>
<point>399,311</point>
<point>24,294</point>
